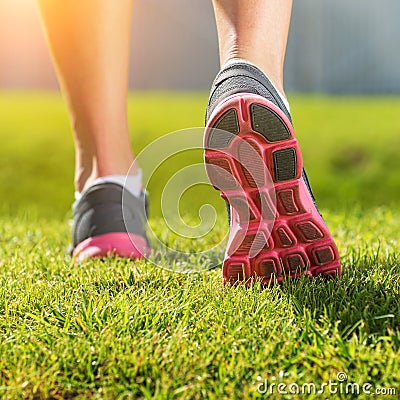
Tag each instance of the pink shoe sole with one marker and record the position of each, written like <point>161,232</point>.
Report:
<point>253,158</point>
<point>119,244</point>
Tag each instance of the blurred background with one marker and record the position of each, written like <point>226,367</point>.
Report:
<point>342,76</point>
<point>334,47</point>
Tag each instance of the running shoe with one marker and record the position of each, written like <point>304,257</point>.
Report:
<point>102,228</point>
<point>253,158</point>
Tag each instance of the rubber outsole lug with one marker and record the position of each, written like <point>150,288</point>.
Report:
<point>284,164</point>
<point>262,118</point>
<point>228,122</point>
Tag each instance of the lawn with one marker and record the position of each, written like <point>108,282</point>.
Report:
<point>113,329</point>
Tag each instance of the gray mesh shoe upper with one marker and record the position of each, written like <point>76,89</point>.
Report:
<point>240,77</point>
<point>99,211</point>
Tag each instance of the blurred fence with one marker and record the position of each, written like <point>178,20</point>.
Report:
<point>344,46</point>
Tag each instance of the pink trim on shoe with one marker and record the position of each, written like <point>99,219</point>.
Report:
<point>262,158</point>
<point>120,244</point>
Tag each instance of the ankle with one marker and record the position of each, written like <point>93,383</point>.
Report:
<point>85,179</point>
<point>82,183</point>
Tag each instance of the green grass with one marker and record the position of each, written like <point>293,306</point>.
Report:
<point>114,329</point>
<point>105,328</point>
<point>350,147</point>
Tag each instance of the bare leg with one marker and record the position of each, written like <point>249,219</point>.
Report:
<point>256,31</point>
<point>89,41</point>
